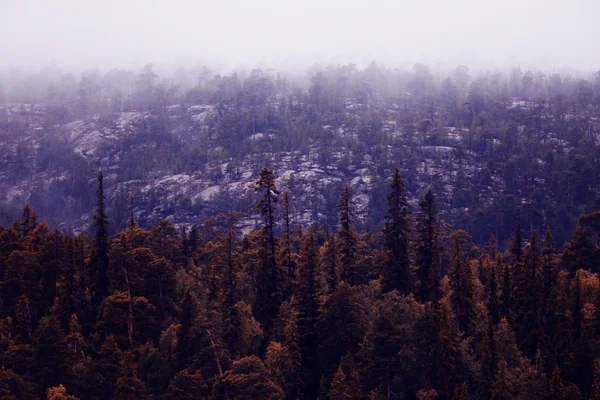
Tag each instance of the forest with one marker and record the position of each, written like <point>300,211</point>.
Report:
<point>189,144</point>
<point>415,310</point>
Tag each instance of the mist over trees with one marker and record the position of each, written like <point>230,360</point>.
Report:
<point>485,142</point>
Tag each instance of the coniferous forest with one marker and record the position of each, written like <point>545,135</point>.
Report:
<point>292,311</point>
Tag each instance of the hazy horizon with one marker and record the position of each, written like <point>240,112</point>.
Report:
<point>231,33</point>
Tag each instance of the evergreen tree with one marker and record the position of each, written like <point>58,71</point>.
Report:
<point>28,220</point>
<point>51,363</point>
<point>247,379</point>
<point>13,387</point>
<point>268,290</point>
<point>230,284</point>
<point>100,260</point>
<point>187,384</point>
<point>516,241</point>
<point>493,300</point>
<point>329,262</point>
<point>187,331</point>
<point>308,309</point>
<point>130,387</point>
<point>506,302</point>
<point>341,327</point>
<point>492,247</point>
<point>427,249</point>
<point>462,280</point>
<point>347,237</point>
<point>59,393</point>
<point>526,292</point>
<point>396,272</point>
<point>286,254</point>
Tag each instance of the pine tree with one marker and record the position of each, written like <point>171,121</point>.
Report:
<point>346,381</point>
<point>462,280</point>
<point>527,318</point>
<point>286,254</point>
<point>506,292</point>
<point>187,332</point>
<point>13,387</point>
<point>516,242</point>
<point>28,220</point>
<point>193,240</point>
<point>100,260</point>
<point>549,279</point>
<point>130,387</point>
<point>427,250</point>
<point>51,363</point>
<point>341,327</point>
<point>268,290</point>
<point>109,366</point>
<point>308,308</point>
<point>396,272</point>
<point>329,262</point>
<point>347,237</point>
<point>187,384</point>
<point>59,393</point>
<point>493,300</point>
<point>247,379</point>
<point>230,284</point>
<point>447,356</point>
<point>492,247</point>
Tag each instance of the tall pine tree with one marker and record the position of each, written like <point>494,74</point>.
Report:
<point>427,249</point>
<point>396,271</point>
<point>100,259</point>
<point>308,308</point>
<point>347,237</point>
<point>268,293</point>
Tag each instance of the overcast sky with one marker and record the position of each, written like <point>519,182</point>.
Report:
<point>281,33</point>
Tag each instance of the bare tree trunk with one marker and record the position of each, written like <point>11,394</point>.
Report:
<point>130,316</point>
<point>212,343</point>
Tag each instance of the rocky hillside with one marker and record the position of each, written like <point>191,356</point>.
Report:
<point>196,156</point>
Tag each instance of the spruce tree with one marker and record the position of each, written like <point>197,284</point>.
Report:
<point>516,241</point>
<point>268,290</point>
<point>347,237</point>
<point>28,220</point>
<point>329,263</point>
<point>462,280</point>
<point>527,318</point>
<point>286,256</point>
<point>100,258</point>
<point>230,273</point>
<point>308,307</point>
<point>427,250</point>
<point>396,271</point>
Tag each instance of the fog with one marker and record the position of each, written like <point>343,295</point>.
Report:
<point>285,34</point>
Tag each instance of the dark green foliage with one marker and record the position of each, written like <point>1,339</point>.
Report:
<point>308,312</point>
<point>462,280</point>
<point>100,258</point>
<point>248,379</point>
<point>427,250</point>
<point>269,294</point>
<point>347,237</point>
<point>182,322</point>
<point>396,271</point>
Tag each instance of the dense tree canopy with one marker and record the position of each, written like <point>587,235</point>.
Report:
<point>227,318</point>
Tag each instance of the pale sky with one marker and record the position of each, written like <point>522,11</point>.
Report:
<point>281,33</point>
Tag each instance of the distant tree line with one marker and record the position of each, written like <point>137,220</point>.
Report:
<point>517,139</point>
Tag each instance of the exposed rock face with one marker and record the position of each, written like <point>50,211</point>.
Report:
<point>151,157</point>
